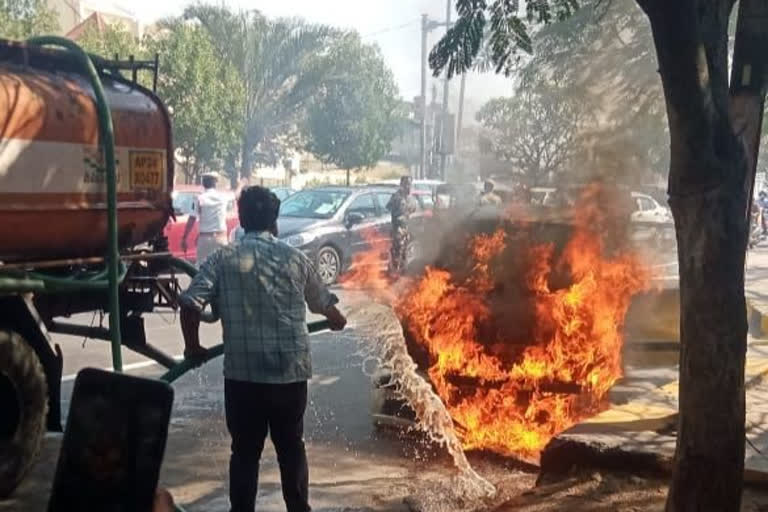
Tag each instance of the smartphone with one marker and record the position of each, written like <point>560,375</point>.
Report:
<point>113,444</point>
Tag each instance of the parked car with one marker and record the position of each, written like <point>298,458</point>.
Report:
<point>183,200</point>
<point>457,195</point>
<point>651,221</point>
<point>542,195</point>
<point>283,193</point>
<point>429,186</point>
<point>331,224</point>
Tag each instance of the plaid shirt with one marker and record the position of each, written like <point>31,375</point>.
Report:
<point>258,289</point>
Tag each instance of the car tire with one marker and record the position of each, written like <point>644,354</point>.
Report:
<point>328,264</point>
<point>23,409</point>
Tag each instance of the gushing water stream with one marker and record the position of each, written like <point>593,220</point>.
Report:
<point>381,331</point>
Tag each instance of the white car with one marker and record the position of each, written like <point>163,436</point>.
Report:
<point>651,222</point>
<point>647,209</point>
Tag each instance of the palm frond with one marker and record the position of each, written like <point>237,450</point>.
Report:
<point>458,48</point>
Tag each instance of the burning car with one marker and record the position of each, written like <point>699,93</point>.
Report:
<point>519,323</point>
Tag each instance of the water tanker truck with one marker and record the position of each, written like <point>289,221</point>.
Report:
<point>86,172</point>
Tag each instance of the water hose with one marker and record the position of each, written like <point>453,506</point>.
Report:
<point>107,142</point>
<point>214,352</point>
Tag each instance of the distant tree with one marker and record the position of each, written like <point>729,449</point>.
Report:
<point>203,93</point>
<point>20,19</point>
<point>110,40</point>
<point>537,130</point>
<point>354,119</point>
<point>279,62</point>
<point>714,109</point>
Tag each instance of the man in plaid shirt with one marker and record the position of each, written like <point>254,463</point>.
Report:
<point>260,289</point>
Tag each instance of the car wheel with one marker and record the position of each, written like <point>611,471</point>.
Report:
<point>24,406</point>
<point>328,264</point>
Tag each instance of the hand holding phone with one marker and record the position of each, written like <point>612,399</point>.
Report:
<point>113,444</point>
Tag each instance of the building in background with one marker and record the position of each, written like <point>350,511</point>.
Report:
<point>75,16</point>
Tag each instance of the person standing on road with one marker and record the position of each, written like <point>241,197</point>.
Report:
<point>488,197</point>
<point>210,208</point>
<point>400,206</point>
<point>259,288</point>
<point>762,202</point>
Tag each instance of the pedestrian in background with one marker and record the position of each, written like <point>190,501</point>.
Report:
<point>260,288</point>
<point>488,197</point>
<point>400,206</point>
<point>210,210</point>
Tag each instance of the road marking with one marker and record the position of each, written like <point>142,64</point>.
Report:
<point>126,368</point>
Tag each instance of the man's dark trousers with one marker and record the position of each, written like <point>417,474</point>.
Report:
<point>252,411</point>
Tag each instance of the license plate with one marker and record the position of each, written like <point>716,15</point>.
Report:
<point>147,170</point>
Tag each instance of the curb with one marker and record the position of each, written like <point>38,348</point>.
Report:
<point>757,321</point>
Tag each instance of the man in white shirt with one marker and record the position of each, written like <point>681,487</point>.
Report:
<point>210,209</point>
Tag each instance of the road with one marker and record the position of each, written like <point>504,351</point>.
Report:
<point>353,464</point>
<point>346,452</point>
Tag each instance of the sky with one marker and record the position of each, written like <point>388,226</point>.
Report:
<point>395,25</point>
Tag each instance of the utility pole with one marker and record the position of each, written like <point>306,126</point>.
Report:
<point>427,26</point>
<point>460,116</point>
<point>423,152</point>
<point>446,88</point>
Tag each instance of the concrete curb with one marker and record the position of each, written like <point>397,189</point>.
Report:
<point>757,321</point>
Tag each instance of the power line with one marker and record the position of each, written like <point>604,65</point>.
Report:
<point>392,29</point>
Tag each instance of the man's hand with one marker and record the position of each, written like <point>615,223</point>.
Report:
<point>195,354</point>
<point>190,329</point>
<point>336,319</point>
<point>163,501</point>
<point>187,231</point>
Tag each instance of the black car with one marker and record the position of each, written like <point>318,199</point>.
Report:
<point>328,224</point>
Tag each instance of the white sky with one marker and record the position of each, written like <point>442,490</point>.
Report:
<point>379,21</point>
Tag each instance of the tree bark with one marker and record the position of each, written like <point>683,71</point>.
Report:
<point>709,190</point>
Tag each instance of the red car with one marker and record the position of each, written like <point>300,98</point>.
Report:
<point>183,199</point>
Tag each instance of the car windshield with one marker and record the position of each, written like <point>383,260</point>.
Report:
<point>183,201</point>
<point>282,193</point>
<point>313,204</point>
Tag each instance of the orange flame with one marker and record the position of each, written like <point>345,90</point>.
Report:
<point>516,358</point>
<point>368,266</point>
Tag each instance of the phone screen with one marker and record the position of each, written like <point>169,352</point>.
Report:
<point>113,444</point>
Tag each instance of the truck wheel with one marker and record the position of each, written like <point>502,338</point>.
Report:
<point>23,409</point>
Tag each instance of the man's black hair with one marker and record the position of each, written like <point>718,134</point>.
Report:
<point>258,208</point>
<point>209,182</point>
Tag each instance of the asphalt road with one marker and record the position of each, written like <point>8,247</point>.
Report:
<point>345,449</point>
<point>353,464</point>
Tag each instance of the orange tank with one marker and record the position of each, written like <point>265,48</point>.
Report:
<point>52,183</point>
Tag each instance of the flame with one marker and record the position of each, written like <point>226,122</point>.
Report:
<point>368,266</point>
<point>515,358</point>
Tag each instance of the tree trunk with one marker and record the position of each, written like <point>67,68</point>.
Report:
<point>711,237</point>
<point>348,181</point>
<point>709,187</point>
<point>246,160</point>
<point>230,167</point>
